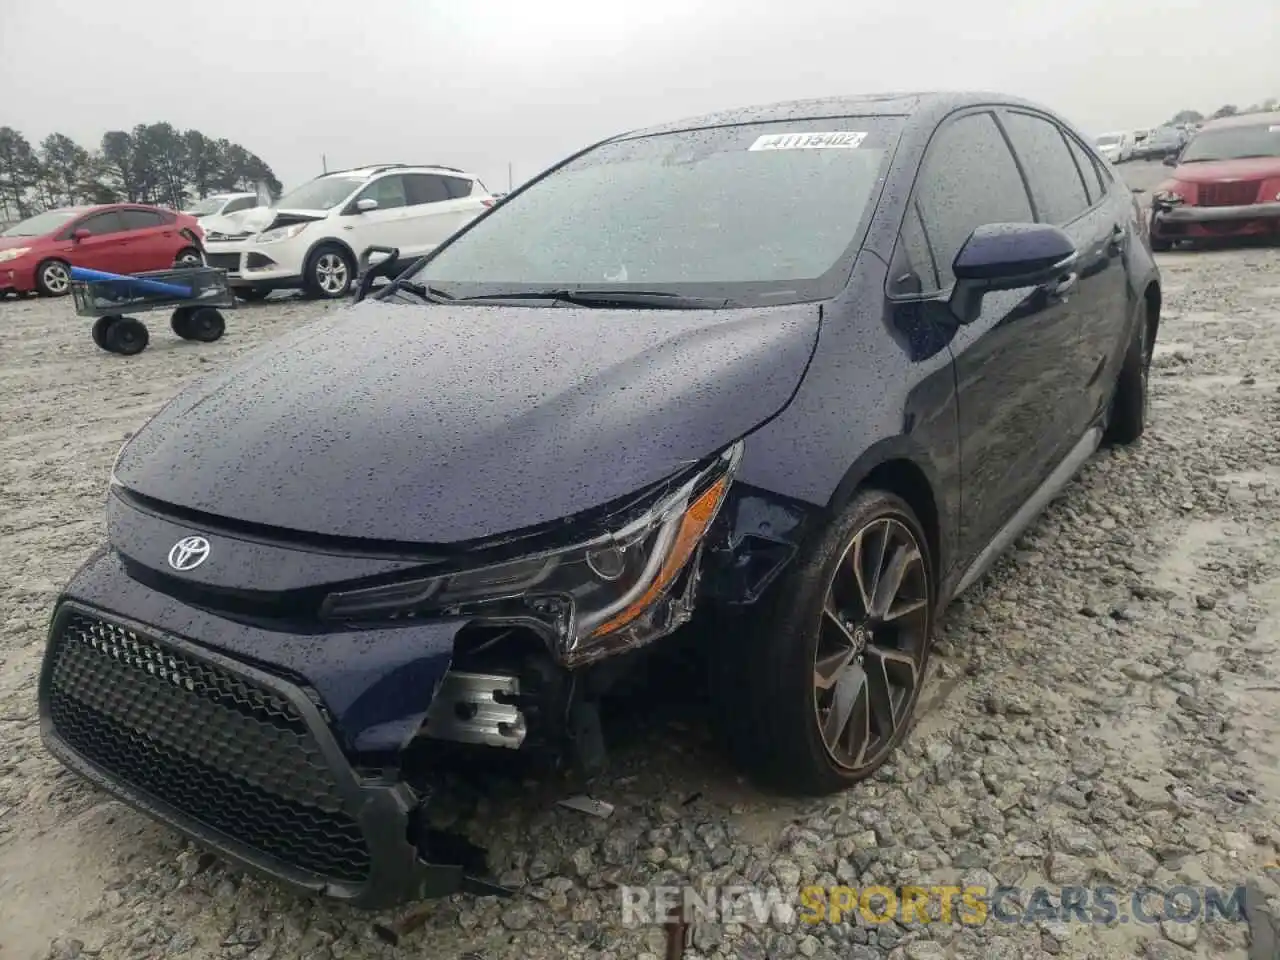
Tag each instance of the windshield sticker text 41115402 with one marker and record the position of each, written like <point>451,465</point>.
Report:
<point>829,140</point>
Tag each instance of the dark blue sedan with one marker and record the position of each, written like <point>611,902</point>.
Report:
<point>804,370</point>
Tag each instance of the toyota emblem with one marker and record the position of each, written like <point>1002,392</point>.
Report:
<point>188,553</point>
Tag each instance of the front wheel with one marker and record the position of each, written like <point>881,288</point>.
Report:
<point>53,278</point>
<point>329,273</point>
<point>819,694</point>
<point>188,257</point>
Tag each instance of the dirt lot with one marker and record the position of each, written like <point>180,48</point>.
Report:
<point>1104,704</point>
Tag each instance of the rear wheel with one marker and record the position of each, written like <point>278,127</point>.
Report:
<point>188,257</point>
<point>53,278</point>
<point>203,324</point>
<point>820,694</point>
<point>126,336</point>
<point>1131,403</point>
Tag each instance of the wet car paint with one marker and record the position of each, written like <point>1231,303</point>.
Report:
<point>375,683</point>
<point>433,425</point>
<point>417,426</point>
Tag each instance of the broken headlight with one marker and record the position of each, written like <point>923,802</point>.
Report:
<point>611,592</point>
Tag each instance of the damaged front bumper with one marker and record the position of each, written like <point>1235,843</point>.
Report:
<point>240,752</point>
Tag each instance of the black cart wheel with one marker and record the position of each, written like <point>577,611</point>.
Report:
<point>203,324</point>
<point>99,332</point>
<point>178,322</point>
<point>126,336</point>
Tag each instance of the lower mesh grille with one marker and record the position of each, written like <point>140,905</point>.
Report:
<point>1238,194</point>
<point>221,749</point>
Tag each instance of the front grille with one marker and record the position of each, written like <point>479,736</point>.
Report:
<point>224,261</point>
<point>1228,194</point>
<point>225,751</point>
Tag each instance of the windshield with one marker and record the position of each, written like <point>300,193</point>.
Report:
<point>1107,139</point>
<point>41,223</point>
<point>320,194</point>
<point>206,206</point>
<point>1234,143</point>
<point>764,210</point>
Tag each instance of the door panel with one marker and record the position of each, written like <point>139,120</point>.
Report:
<point>148,242</point>
<point>435,213</point>
<point>1011,384</point>
<point>106,249</point>
<point>379,227</point>
<point>1067,194</point>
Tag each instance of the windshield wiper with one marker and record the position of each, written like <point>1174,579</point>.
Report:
<point>610,298</point>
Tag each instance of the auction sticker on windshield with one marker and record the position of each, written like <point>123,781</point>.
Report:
<point>828,140</point>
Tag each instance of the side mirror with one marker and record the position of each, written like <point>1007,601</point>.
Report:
<point>366,204</point>
<point>81,234</point>
<point>1171,161</point>
<point>1006,256</point>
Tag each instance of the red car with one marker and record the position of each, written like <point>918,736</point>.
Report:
<point>36,253</point>
<point>1226,183</point>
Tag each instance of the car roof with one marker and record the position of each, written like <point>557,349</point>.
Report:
<point>932,104</point>
<point>1271,118</point>
<point>364,173</point>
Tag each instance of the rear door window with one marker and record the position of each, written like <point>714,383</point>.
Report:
<point>427,188</point>
<point>1056,185</point>
<point>968,179</point>
<point>140,219</point>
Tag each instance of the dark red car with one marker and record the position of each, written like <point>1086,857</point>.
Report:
<point>36,253</point>
<point>1226,183</point>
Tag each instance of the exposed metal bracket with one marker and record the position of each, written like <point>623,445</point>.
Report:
<point>467,709</point>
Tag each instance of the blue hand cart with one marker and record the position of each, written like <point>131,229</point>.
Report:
<point>197,295</point>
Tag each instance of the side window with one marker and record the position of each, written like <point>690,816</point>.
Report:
<point>458,187</point>
<point>1089,170</point>
<point>1056,184</point>
<point>388,191</point>
<point>427,188</point>
<point>140,219</point>
<point>102,223</point>
<point>969,178</point>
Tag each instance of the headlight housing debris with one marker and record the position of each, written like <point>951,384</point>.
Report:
<point>610,593</point>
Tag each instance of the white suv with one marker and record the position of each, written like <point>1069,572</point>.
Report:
<point>315,235</point>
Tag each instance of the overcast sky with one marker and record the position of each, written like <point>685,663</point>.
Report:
<point>483,83</point>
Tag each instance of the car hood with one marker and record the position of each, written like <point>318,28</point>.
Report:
<point>239,224</point>
<point>8,243</point>
<point>1218,171</point>
<point>443,424</point>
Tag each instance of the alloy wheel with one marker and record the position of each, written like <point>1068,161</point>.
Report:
<point>331,274</point>
<point>868,663</point>
<point>56,279</point>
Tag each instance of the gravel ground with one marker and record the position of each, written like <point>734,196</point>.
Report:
<point>1102,707</point>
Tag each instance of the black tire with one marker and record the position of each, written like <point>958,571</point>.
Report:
<point>764,679</point>
<point>99,331</point>
<point>188,257</point>
<point>53,278</point>
<point>126,336</point>
<point>1130,404</point>
<point>178,321</point>
<point>330,273</point>
<point>203,324</point>
<point>252,294</point>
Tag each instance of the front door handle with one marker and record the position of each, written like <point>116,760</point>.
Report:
<point>1118,235</point>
